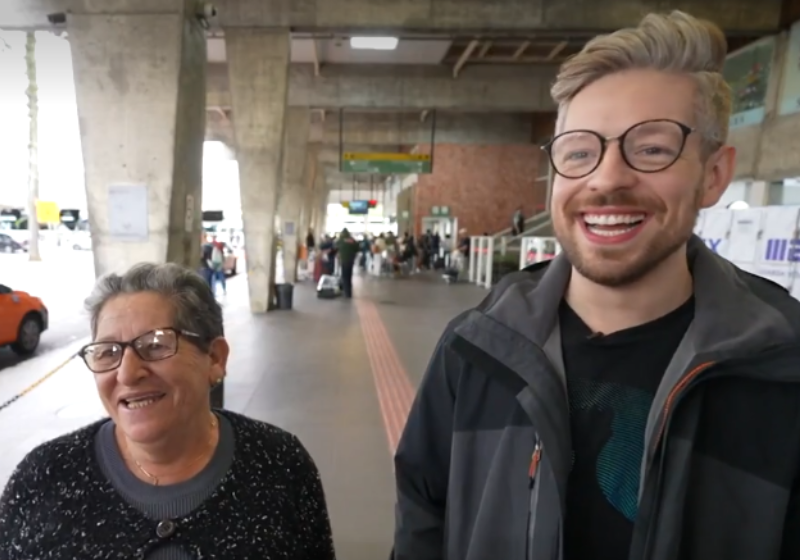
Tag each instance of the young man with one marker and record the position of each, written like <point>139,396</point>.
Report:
<point>637,397</point>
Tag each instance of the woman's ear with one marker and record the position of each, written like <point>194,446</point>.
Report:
<point>218,353</point>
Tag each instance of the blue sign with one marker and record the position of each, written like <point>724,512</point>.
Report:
<point>713,244</point>
<point>784,250</point>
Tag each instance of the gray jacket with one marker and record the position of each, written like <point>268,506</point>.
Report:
<point>483,463</point>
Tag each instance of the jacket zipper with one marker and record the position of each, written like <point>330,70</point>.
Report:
<point>536,457</point>
<point>673,395</point>
<point>669,406</point>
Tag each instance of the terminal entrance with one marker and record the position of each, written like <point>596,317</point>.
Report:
<point>444,226</point>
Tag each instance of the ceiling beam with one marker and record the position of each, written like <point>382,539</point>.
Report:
<point>315,56</point>
<point>423,116</point>
<point>556,50</point>
<point>485,49</point>
<point>511,60</point>
<point>521,49</point>
<point>464,57</point>
<point>221,112</point>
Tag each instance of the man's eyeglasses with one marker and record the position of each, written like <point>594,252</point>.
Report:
<point>648,147</point>
<point>158,344</point>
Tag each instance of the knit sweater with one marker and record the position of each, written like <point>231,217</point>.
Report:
<point>170,501</point>
<point>269,505</point>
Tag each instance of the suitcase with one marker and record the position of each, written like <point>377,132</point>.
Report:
<point>329,287</point>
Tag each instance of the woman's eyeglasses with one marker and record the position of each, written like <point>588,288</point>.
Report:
<point>153,346</point>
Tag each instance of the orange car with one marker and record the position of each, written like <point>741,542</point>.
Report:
<point>23,319</point>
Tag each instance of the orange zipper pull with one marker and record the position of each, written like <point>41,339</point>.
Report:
<point>537,454</point>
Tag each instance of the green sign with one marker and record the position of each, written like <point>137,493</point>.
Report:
<point>405,214</point>
<point>790,88</point>
<point>386,167</point>
<point>434,210</point>
<point>747,72</point>
<point>386,164</point>
<point>444,211</point>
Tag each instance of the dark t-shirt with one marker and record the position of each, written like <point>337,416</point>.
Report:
<point>611,382</point>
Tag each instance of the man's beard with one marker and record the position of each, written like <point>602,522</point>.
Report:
<point>616,268</point>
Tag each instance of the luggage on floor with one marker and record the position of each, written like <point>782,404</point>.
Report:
<point>329,287</point>
<point>450,275</point>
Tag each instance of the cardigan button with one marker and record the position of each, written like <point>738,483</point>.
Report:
<point>165,528</point>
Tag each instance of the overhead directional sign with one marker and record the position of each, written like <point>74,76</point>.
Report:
<point>385,163</point>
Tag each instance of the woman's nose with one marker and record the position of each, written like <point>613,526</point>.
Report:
<point>130,369</point>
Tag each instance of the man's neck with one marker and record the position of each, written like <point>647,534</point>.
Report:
<point>607,310</point>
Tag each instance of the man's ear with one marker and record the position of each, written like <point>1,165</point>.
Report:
<point>719,171</point>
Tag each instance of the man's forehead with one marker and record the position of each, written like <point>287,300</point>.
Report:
<point>616,102</point>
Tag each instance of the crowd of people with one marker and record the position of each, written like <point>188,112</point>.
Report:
<point>387,254</point>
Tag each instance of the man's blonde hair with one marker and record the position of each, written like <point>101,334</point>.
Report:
<point>677,43</point>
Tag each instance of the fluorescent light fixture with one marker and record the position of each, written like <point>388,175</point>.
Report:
<point>374,43</point>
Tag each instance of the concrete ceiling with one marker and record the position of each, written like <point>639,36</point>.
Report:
<point>338,51</point>
<point>474,16</point>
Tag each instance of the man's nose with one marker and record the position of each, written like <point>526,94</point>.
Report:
<point>613,172</point>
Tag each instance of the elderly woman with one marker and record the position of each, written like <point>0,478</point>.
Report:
<point>165,476</point>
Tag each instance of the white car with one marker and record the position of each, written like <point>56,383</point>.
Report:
<point>81,241</point>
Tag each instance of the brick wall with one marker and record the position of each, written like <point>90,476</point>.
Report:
<point>482,185</point>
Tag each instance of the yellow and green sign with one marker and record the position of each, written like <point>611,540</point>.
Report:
<point>386,163</point>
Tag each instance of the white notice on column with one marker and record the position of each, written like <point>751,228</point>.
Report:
<point>127,212</point>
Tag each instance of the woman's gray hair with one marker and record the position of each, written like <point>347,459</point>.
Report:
<point>196,309</point>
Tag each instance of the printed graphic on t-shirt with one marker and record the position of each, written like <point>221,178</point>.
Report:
<point>619,414</point>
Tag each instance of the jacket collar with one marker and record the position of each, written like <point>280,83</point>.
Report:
<point>729,317</point>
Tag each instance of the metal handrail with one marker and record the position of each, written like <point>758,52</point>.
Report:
<point>505,243</point>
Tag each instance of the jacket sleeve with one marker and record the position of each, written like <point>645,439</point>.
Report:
<point>422,461</point>
<point>312,511</point>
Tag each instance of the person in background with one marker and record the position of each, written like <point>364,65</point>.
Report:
<point>378,251</point>
<point>327,255</point>
<point>518,222</point>
<point>206,270</point>
<point>348,250</point>
<point>310,241</point>
<point>637,396</point>
<point>164,476</point>
<point>218,265</point>
<point>365,245</point>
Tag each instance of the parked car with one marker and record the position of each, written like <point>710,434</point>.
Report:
<point>231,263</point>
<point>9,245</point>
<point>23,319</point>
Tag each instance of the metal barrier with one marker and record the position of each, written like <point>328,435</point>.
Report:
<point>537,249</point>
<point>481,261</point>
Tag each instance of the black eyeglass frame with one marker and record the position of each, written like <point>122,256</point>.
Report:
<point>179,333</point>
<point>606,140</point>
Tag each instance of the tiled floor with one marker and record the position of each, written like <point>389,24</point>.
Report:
<point>309,371</point>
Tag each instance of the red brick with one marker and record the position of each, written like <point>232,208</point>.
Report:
<point>482,184</point>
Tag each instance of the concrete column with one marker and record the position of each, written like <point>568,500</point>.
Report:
<point>140,85</point>
<point>764,193</point>
<point>308,204</point>
<point>320,204</point>
<point>293,187</point>
<point>258,69</point>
